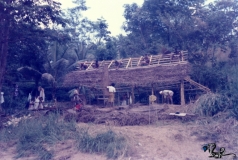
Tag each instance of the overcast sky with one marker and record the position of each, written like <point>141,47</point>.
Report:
<point>110,10</point>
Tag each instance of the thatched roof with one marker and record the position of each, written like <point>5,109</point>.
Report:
<point>139,76</point>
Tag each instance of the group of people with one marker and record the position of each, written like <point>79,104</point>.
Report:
<point>84,66</point>
<point>117,63</point>
<point>167,95</point>
<point>95,65</point>
<point>36,101</point>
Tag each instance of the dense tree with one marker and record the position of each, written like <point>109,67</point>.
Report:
<point>17,16</point>
<point>153,24</point>
<point>107,51</point>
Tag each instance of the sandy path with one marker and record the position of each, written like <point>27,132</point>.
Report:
<point>151,142</point>
<point>156,142</point>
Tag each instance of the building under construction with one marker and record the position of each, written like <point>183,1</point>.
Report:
<point>170,71</point>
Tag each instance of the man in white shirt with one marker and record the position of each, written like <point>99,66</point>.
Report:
<point>41,97</point>
<point>167,95</point>
<point>112,91</point>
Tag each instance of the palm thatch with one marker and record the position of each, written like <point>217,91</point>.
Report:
<point>46,77</point>
<point>29,73</point>
<point>137,76</point>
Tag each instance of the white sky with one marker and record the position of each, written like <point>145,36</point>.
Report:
<point>110,10</point>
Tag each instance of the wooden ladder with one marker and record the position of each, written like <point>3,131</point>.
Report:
<point>197,85</point>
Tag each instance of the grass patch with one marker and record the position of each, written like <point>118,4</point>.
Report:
<point>34,135</point>
<point>110,143</point>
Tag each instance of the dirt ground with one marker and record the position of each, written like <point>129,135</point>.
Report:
<point>166,138</point>
<point>152,142</point>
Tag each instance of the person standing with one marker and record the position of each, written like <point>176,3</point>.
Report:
<point>2,98</point>
<point>41,97</point>
<point>42,93</point>
<point>167,95</point>
<point>112,91</point>
<point>76,96</point>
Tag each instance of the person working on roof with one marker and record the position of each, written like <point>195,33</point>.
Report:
<point>96,65</point>
<point>112,91</point>
<point>145,60</point>
<point>118,64</point>
<point>83,66</point>
<point>167,95</point>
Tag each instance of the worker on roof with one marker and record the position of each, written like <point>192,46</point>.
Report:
<point>118,64</point>
<point>96,65</point>
<point>145,60</point>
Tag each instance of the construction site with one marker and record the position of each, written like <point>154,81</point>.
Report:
<point>137,83</point>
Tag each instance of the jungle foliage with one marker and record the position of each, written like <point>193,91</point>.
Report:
<point>50,40</point>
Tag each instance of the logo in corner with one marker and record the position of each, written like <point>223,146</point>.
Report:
<point>210,147</point>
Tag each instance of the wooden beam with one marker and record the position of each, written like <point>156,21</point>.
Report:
<point>150,59</point>
<point>159,59</point>
<point>90,65</point>
<point>110,64</point>
<point>128,63</point>
<point>139,61</point>
<point>132,95</point>
<point>182,55</point>
<point>105,81</point>
<point>182,92</point>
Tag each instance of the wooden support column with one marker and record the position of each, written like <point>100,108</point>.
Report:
<point>132,94</point>
<point>182,92</point>
<point>128,100</point>
<point>118,99</point>
<point>105,81</point>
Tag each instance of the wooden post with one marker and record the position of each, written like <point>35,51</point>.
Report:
<point>128,100</point>
<point>182,92</point>
<point>132,95</point>
<point>105,82</point>
<point>118,99</point>
<point>152,93</point>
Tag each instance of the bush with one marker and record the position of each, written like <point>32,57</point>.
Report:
<point>113,145</point>
<point>210,104</point>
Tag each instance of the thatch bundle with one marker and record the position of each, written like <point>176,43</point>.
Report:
<point>140,76</point>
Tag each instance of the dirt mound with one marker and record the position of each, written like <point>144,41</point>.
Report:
<point>125,116</point>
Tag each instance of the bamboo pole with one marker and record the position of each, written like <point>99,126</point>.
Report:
<point>182,92</point>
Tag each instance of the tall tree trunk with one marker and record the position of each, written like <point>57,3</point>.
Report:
<point>4,53</point>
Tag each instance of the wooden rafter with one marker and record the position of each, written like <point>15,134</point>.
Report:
<point>165,60</point>
<point>128,63</point>
<point>90,65</point>
<point>139,61</point>
<point>110,64</point>
<point>150,59</point>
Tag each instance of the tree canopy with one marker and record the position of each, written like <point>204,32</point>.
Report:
<point>40,35</point>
